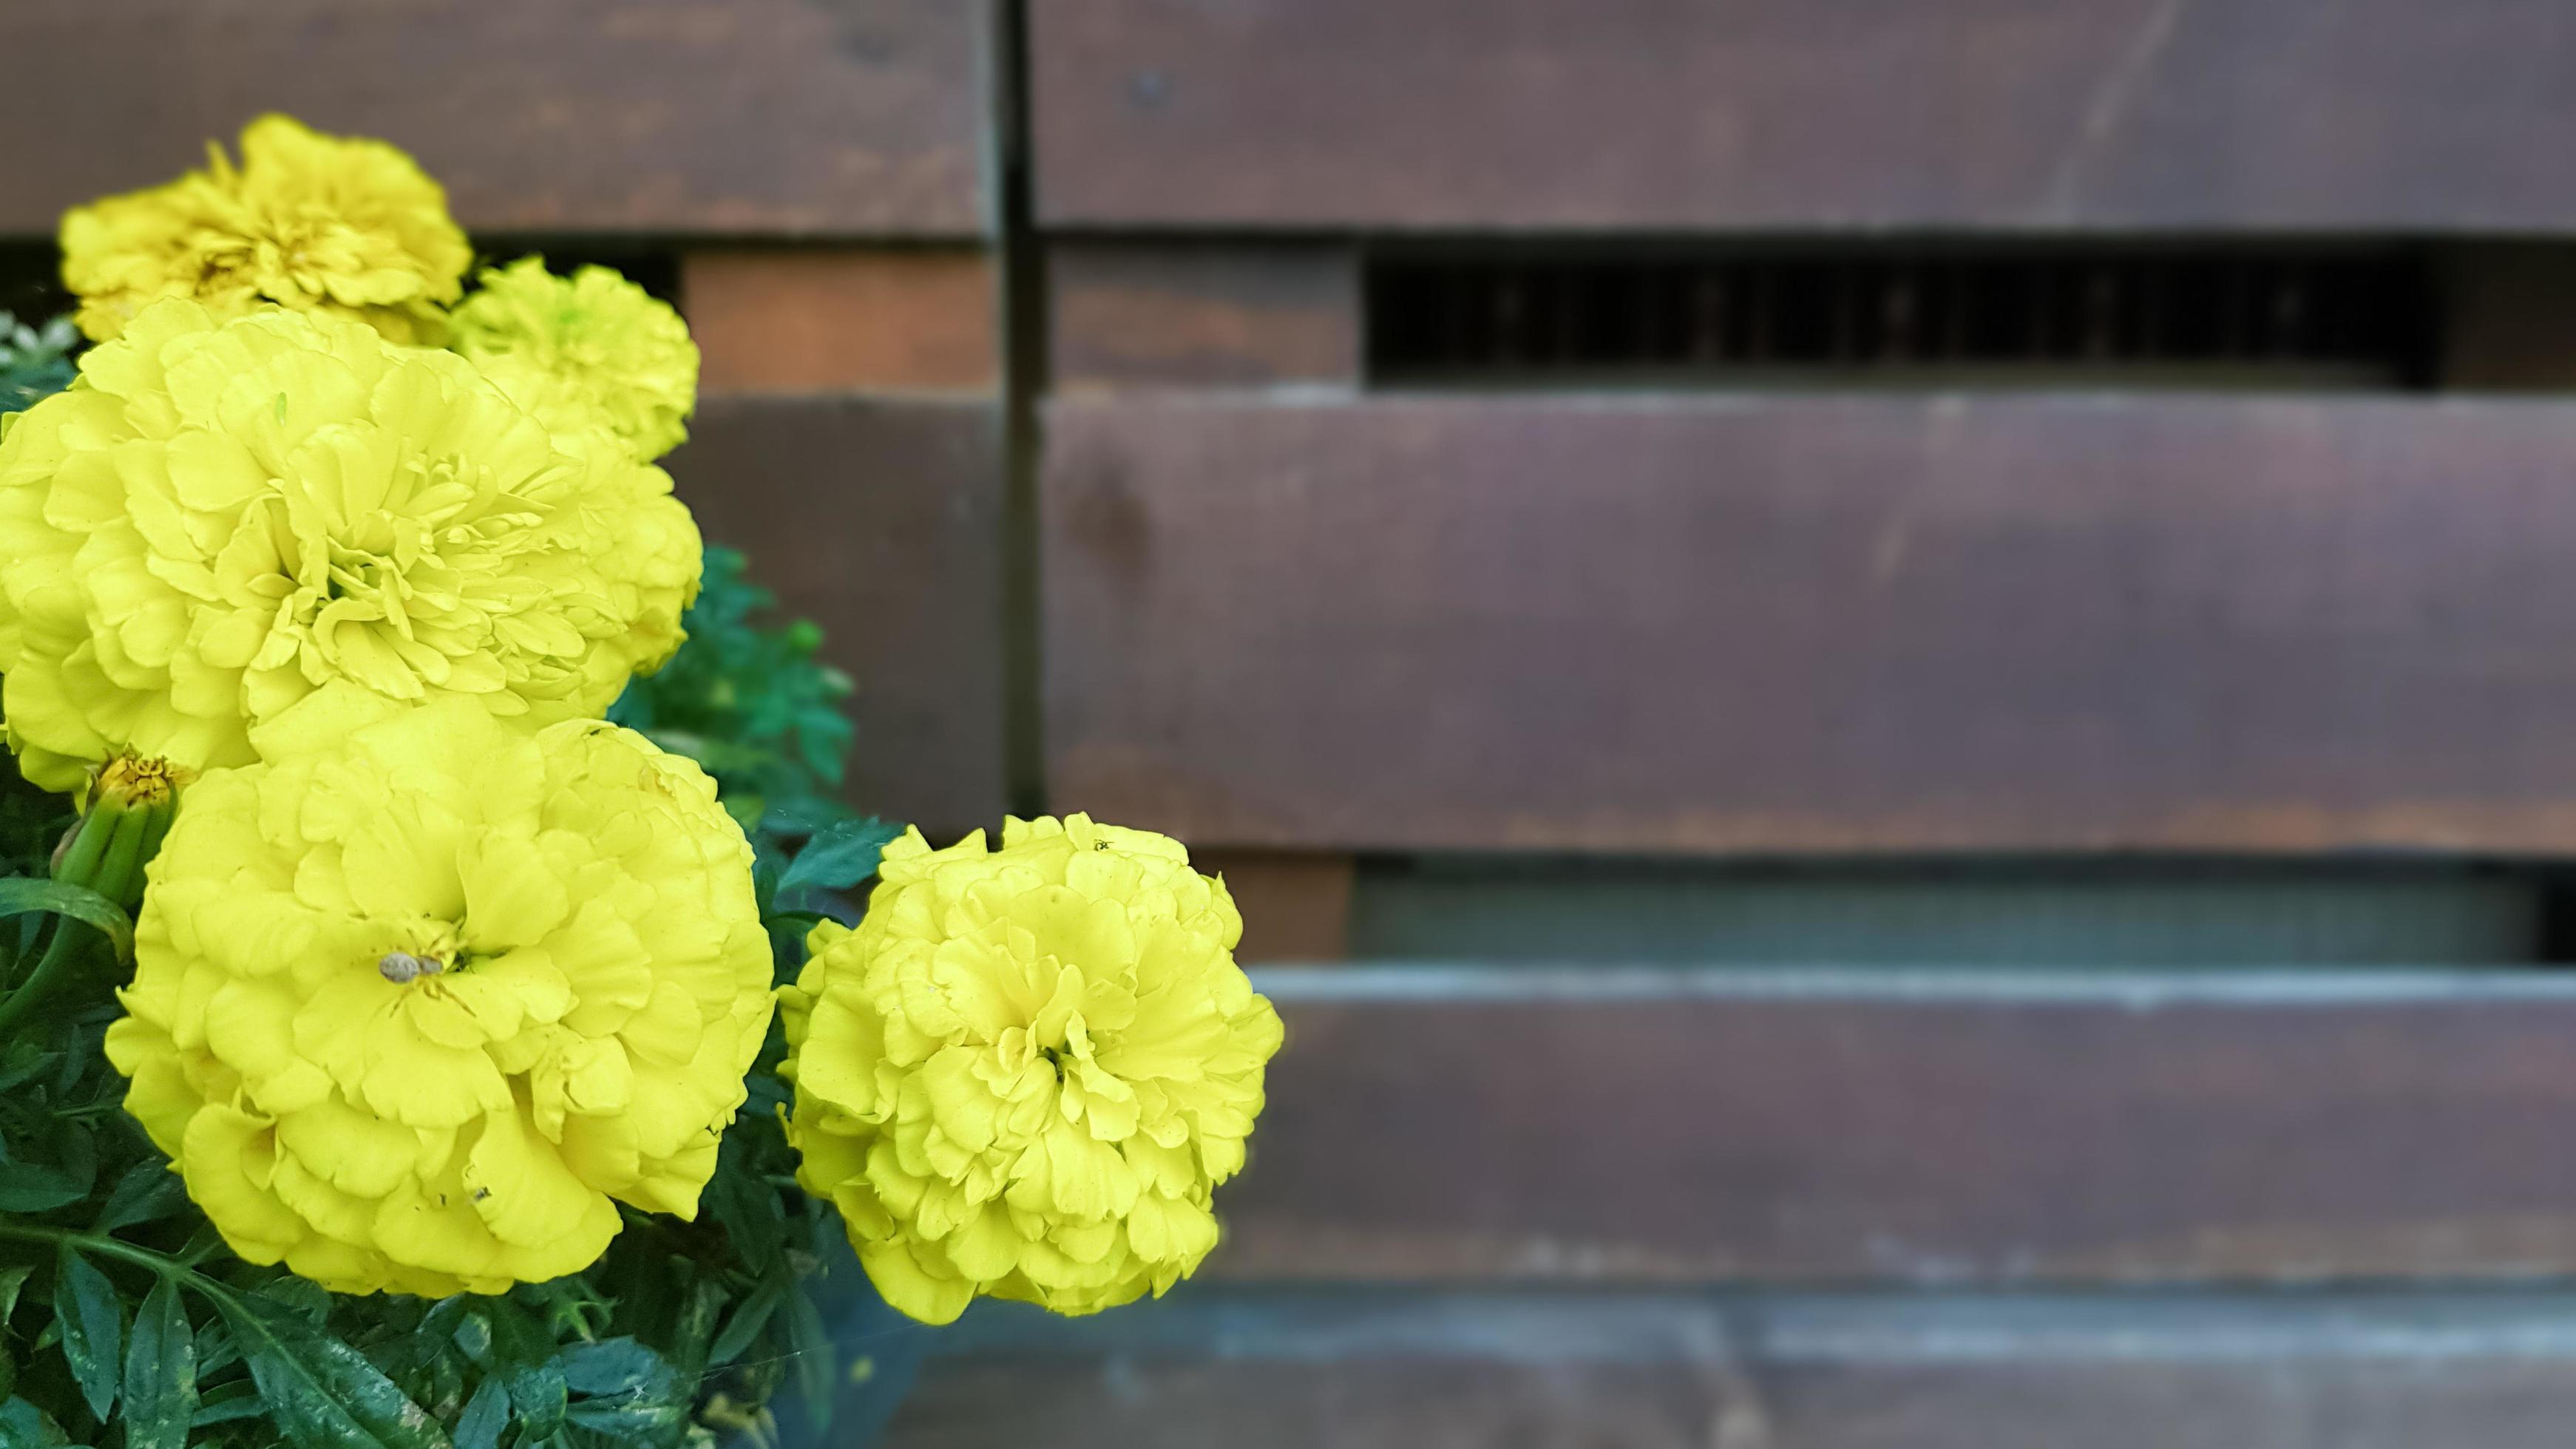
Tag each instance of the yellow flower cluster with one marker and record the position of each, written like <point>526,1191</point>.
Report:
<point>307,221</point>
<point>434,967</point>
<point>591,350</point>
<point>220,518</point>
<point>1027,1070</point>
<point>415,1001</point>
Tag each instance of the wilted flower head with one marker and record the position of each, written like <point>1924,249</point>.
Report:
<point>589,350</point>
<point>413,1002</point>
<point>216,520</point>
<point>337,224</point>
<point>1026,1071</point>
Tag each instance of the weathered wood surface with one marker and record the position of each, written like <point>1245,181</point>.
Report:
<point>2380,115</point>
<point>1223,315</point>
<point>1815,624</point>
<point>881,521</point>
<point>1274,1371</point>
<point>777,117</point>
<point>1533,1126</point>
<point>844,319</point>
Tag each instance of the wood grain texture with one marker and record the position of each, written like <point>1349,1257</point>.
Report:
<point>1592,1371</point>
<point>777,117</point>
<point>1786,624</point>
<point>881,521</point>
<point>2371,114</point>
<point>844,319</point>
<point>1219,315</point>
<point>1922,1131</point>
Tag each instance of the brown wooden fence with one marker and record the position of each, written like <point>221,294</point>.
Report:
<point>1039,371</point>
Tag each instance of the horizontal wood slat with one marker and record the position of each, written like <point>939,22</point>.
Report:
<point>1816,624</point>
<point>1430,1125</point>
<point>844,319</point>
<point>862,117</point>
<point>2371,114</point>
<point>1127,315</point>
<point>1581,1371</point>
<point>881,521</point>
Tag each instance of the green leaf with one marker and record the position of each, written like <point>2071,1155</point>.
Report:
<point>323,1393</point>
<point>485,1416</point>
<point>753,1316</point>
<point>614,1366</point>
<point>160,1373</point>
<point>236,1400</point>
<point>813,1350</point>
<point>30,1187</point>
<point>145,1196</point>
<point>93,1324</point>
<point>10,1282</point>
<point>24,1426</point>
<point>20,895</point>
<point>839,856</point>
<point>523,1353</point>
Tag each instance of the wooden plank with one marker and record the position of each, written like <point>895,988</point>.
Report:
<point>881,521</point>
<point>780,117</point>
<point>1924,1130</point>
<point>1815,624</point>
<point>2369,114</point>
<point>1296,905</point>
<point>1224,315</point>
<point>844,319</point>
<point>1274,1371</point>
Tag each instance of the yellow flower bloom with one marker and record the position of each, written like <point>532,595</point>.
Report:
<point>414,1001</point>
<point>217,520</point>
<point>1026,1071</point>
<point>589,350</point>
<point>307,221</point>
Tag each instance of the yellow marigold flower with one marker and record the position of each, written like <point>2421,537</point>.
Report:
<point>1026,1071</point>
<point>413,1002</point>
<point>309,221</point>
<point>216,520</point>
<point>591,349</point>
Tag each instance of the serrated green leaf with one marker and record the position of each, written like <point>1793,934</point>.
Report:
<point>144,1196</point>
<point>93,1324</point>
<point>486,1415</point>
<point>160,1373</point>
<point>322,1393</point>
<point>20,895</point>
<point>839,856</point>
<point>11,1282</point>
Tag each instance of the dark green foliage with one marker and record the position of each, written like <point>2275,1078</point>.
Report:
<point>34,361</point>
<point>124,1321</point>
<point>753,705</point>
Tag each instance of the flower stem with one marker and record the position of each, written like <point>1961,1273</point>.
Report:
<point>52,969</point>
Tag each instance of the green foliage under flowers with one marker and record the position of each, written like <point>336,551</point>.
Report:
<point>125,1322</point>
<point>34,361</point>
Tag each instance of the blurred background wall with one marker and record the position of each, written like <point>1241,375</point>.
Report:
<point>1890,681</point>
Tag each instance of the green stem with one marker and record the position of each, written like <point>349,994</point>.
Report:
<point>52,969</point>
<point>161,1263</point>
